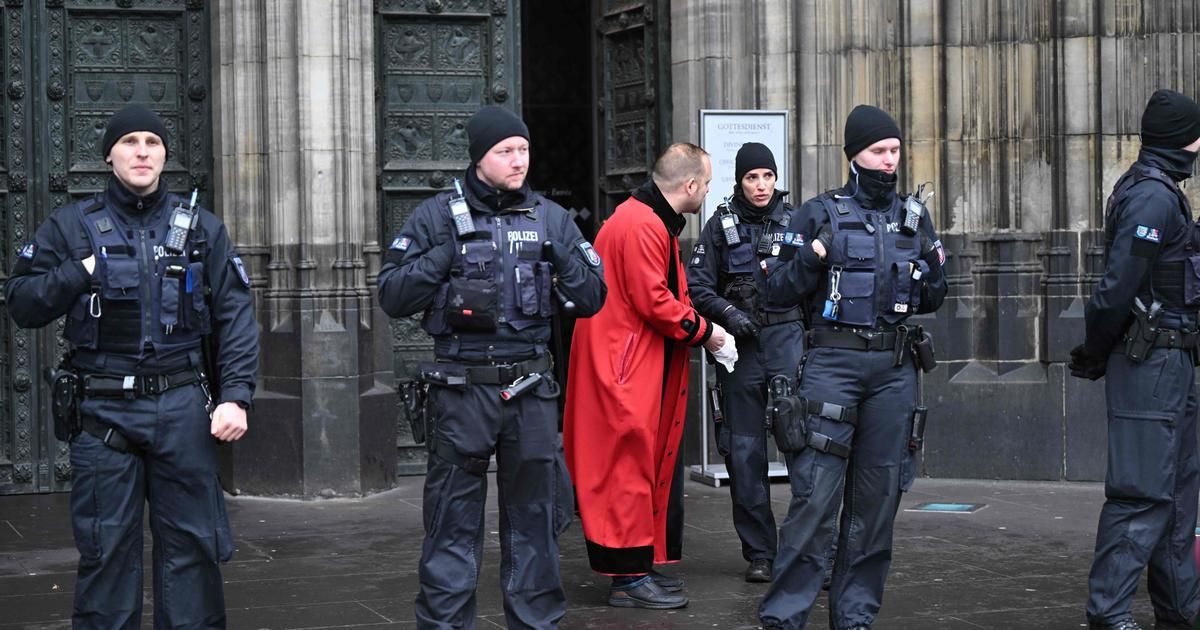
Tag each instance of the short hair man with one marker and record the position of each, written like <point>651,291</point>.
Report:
<point>627,389</point>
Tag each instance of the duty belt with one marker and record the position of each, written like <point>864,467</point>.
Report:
<point>113,386</point>
<point>853,339</point>
<point>770,318</point>
<point>1173,338</point>
<point>505,373</point>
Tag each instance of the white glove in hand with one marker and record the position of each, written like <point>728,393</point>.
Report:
<point>727,354</point>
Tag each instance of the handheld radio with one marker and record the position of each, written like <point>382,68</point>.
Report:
<point>183,219</point>
<point>729,223</point>
<point>914,209</point>
<point>463,224</point>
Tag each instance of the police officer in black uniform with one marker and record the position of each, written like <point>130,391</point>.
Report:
<point>484,262</point>
<point>1142,330</point>
<point>863,259</point>
<point>728,281</point>
<point>142,276</point>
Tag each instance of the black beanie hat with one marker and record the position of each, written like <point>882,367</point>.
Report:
<point>867,125</point>
<point>752,155</point>
<point>489,126</point>
<point>1171,120</point>
<point>132,118</point>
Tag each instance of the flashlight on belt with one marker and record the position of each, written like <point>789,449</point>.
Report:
<point>520,386</point>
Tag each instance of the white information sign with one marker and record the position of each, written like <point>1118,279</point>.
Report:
<point>724,131</point>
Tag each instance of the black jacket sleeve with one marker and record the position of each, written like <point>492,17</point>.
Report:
<point>933,285</point>
<point>578,267</point>
<point>418,260</point>
<point>234,323</point>
<point>45,285</point>
<point>704,271</point>
<point>798,271</point>
<point>1129,261</point>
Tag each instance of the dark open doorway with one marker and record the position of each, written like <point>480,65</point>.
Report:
<point>556,86</point>
<point>556,97</point>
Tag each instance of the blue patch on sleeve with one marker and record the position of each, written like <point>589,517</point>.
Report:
<point>1147,233</point>
<point>241,270</point>
<point>401,243</point>
<point>589,253</point>
<point>28,251</point>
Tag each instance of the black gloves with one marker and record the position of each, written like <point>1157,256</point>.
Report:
<point>739,324</point>
<point>1084,365</point>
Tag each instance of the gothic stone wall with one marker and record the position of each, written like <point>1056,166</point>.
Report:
<point>1022,113</point>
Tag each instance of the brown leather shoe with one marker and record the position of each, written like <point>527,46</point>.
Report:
<point>644,593</point>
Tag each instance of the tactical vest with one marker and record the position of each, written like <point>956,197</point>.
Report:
<point>742,280</point>
<point>139,296</point>
<point>871,269</point>
<point>498,276</point>
<point>1175,277</point>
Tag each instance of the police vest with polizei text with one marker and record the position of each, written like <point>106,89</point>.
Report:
<point>498,276</point>
<point>742,278</point>
<point>140,296</point>
<point>872,268</point>
<point>1175,276</point>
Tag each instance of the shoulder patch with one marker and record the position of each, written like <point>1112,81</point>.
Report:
<point>28,251</point>
<point>795,239</point>
<point>941,251</point>
<point>589,253</point>
<point>241,270</point>
<point>1147,233</point>
<point>401,243</point>
<point>698,249</point>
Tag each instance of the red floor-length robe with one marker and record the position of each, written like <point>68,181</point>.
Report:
<point>627,392</point>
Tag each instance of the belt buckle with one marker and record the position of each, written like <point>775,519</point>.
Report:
<point>129,387</point>
<point>507,372</point>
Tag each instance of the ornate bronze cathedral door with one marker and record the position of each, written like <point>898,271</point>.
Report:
<point>590,80</point>
<point>66,66</point>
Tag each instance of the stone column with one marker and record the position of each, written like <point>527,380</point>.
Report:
<point>297,150</point>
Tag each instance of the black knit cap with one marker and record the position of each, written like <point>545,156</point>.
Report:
<point>867,125</point>
<point>1171,120</point>
<point>752,155</point>
<point>489,126</point>
<point>132,118</point>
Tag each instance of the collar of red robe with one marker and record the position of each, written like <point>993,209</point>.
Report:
<point>650,195</point>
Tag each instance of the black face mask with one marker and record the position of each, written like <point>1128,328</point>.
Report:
<point>872,188</point>
<point>1177,163</point>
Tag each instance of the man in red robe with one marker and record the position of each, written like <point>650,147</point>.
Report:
<point>627,386</point>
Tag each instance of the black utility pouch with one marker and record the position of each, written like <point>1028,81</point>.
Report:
<point>64,404</point>
<point>471,305</point>
<point>923,347</point>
